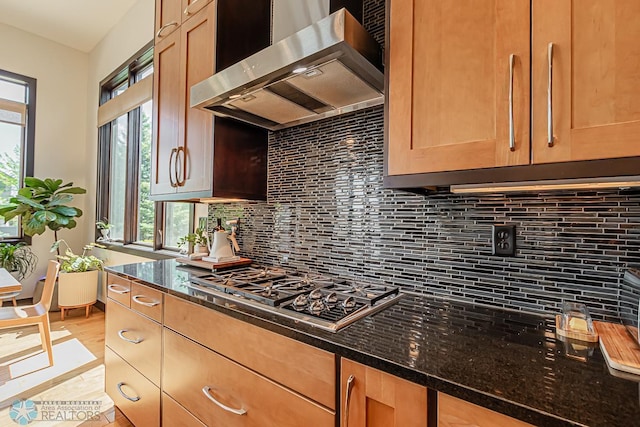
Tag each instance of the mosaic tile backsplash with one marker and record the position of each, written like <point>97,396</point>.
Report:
<point>327,211</point>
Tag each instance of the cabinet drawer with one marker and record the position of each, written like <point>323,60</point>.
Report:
<point>453,412</point>
<point>146,301</point>
<point>135,395</point>
<point>174,415</point>
<point>119,289</point>
<point>197,378</point>
<point>303,368</point>
<point>135,338</point>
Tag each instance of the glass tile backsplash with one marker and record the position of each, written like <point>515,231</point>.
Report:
<point>327,211</point>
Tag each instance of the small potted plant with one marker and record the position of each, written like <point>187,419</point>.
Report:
<point>194,242</point>
<point>78,278</point>
<point>17,259</point>
<point>104,228</point>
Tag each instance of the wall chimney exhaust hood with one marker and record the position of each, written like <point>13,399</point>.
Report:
<point>328,68</point>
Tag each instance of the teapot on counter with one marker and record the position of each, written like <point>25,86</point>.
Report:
<point>220,248</point>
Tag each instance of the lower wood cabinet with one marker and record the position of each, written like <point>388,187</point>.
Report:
<point>453,412</point>
<point>372,398</point>
<point>174,415</point>
<point>212,370</point>
<point>136,396</point>
<point>305,369</point>
<point>223,393</point>
<point>135,338</point>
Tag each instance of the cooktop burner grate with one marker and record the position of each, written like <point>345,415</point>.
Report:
<point>311,298</point>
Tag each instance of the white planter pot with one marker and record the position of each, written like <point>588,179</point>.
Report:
<point>77,289</point>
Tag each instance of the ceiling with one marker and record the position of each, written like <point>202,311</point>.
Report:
<point>79,24</point>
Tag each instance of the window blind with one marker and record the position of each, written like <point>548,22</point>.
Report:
<point>133,97</point>
<point>13,112</point>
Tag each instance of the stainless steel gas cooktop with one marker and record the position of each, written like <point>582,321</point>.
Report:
<point>314,299</point>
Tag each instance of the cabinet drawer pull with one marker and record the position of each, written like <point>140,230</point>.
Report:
<point>122,337</point>
<point>192,8</point>
<point>137,300</point>
<point>206,390</point>
<point>165,26</point>
<point>118,289</point>
<point>172,162</point>
<point>347,398</point>
<point>133,399</point>
<point>512,136</point>
<point>550,97</point>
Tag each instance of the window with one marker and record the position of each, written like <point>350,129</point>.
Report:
<point>124,163</point>
<point>17,125</point>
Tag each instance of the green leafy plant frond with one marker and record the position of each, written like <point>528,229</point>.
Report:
<point>43,204</point>
<point>73,263</point>
<point>17,258</point>
<point>198,238</point>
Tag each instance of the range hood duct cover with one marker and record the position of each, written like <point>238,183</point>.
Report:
<point>329,68</point>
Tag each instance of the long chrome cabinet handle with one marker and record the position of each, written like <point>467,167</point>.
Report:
<point>137,300</point>
<point>512,135</point>
<point>118,290</point>
<point>550,97</point>
<point>133,399</point>
<point>189,9</point>
<point>347,399</point>
<point>183,168</point>
<point>122,337</point>
<point>206,391</point>
<point>165,26</point>
<point>173,163</point>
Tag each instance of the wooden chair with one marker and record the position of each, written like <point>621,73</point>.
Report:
<point>37,314</point>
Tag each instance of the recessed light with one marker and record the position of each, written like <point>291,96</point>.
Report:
<point>235,96</point>
<point>300,70</point>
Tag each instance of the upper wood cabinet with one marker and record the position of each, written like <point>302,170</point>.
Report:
<point>184,138</point>
<point>458,79</point>
<point>170,14</point>
<point>595,79</point>
<point>167,130</point>
<point>459,83</point>
<point>372,398</point>
<point>194,156</point>
<point>168,18</point>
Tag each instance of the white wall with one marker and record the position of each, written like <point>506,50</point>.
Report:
<point>66,114</point>
<point>61,123</point>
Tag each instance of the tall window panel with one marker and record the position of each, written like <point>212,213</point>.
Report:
<point>124,164</point>
<point>17,124</point>
<point>118,175</point>
<point>146,208</point>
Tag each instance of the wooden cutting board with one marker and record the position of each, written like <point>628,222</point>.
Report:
<point>619,347</point>
<point>214,265</point>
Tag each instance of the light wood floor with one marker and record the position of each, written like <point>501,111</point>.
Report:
<point>20,347</point>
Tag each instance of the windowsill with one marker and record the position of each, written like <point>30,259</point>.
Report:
<point>139,250</point>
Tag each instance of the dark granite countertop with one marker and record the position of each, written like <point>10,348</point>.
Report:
<point>507,361</point>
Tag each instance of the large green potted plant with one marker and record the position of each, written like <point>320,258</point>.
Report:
<point>43,204</point>
<point>17,259</point>
<point>78,278</point>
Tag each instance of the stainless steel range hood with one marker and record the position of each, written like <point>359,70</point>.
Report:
<point>328,68</point>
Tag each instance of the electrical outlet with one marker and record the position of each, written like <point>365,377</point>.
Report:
<point>503,238</point>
